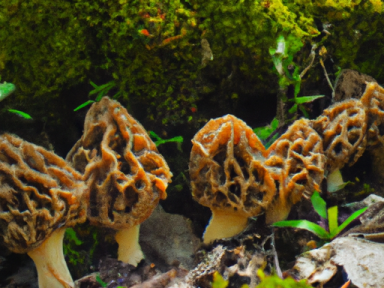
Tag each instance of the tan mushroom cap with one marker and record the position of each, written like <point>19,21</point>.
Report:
<point>40,194</point>
<point>373,100</point>
<point>343,127</point>
<point>296,162</point>
<point>228,175</point>
<point>122,167</point>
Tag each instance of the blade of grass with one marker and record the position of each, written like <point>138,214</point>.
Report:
<point>332,219</point>
<point>319,204</point>
<point>102,87</point>
<point>178,139</point>
<point>93,84</point>
<point>305,99</point>
<point>304,224</point>
<point>154,135</point>
<point>348,221</point>
<point>20,113</point>
<point>83,105</point>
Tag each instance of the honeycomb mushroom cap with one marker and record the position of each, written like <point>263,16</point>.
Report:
<point>39,192</point>
<point>296,162</point>
<point>373,100</point>
<point>343,127</point>
<point>227,170</point>
<point>296,159</point>
<point>126,174</point>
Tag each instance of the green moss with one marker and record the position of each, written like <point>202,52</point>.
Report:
<point>152,49</point>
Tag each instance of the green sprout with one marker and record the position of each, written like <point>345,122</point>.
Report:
<point>275,281</point>
<point>288,72</point>
<point>264,132</point>
<point>101,282</point>
<point>20,113</point>
<point>101,91</point>
<point>266,281</point>
<point>159,140</point>
<point>7,89</point>
<point>331,214</point>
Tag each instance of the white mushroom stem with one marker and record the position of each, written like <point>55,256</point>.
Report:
<point>129,248</point>
<point>224,224</point>
<point>52,271</point>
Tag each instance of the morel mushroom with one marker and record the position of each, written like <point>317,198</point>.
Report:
<point>373,100</point>
<point>228,175</point>
<point>296,163</point>
<point>40,194</point>
<point>343,127</point>
<point>124,171</point>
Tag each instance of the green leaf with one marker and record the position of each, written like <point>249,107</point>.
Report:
<point>154,135</point>
<point>348,221</point>
<point>293,109</point>
<point>218,281</point>
<point>71,235</point>
<point>304,224</point>
<point>101,282</point>
<point>178,139</point>
<point>100,95</point>
<point>116,95</point>
<point>160,141</point>
<point>305,99</point>
<point>93,84</point>
<point>335,181</point>
<point>274,124</point>
<point>332,219</point>
<point>6,89</point>
<point>83,105</point>
<point>319,204</point>
<point>305,113</point>
<point>100,88</point>
<point>20,113</point>
<point>264,132</point>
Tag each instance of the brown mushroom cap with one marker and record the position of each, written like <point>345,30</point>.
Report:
<point>126,174</point>
<point>39,193</point>
<point>226,168</point>
<point>296,162</point>
<point>228,175</point>
<point>373,100</point>
<point>343,127</point>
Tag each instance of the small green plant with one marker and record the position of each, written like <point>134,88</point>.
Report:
<point>101,91</point>
<point>20,113</point>
<point>6,89</point>
<point>271,281</point>
<point>159,140</point>
<point>274,281</point>
<point>102,283</point>
<point>264,132</point>
<point>288,71</point>
<point>218,281</point>
<point>331,214</point>
<point>71,243</point>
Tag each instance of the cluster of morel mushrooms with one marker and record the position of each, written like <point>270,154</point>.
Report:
<point>115,177</point>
